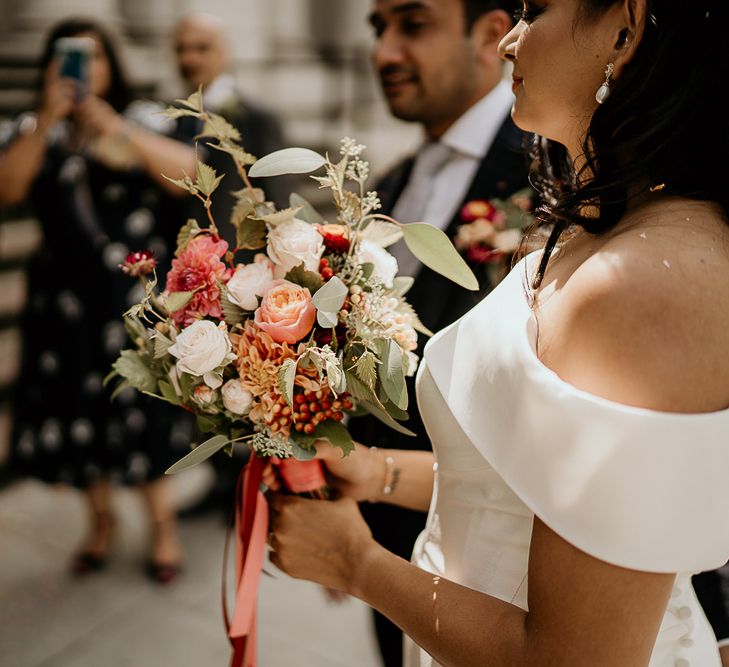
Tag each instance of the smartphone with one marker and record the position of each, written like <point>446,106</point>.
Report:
<point>74,54</point>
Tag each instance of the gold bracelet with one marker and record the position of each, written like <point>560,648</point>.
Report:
<point>392,476</point>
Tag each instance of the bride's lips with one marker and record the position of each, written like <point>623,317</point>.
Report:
<point>516,81</point>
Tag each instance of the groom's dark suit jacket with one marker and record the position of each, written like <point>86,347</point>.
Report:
<point>438,302</point>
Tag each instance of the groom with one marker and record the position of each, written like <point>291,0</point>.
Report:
<point>438,66</point>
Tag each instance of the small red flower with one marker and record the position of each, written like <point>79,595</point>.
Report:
<point>139,263</point>
<point>335,238</point>
<point>478,208</point>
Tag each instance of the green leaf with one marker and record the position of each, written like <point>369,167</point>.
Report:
<point>182,183</point>
<point>236,152</point>
<point>199,454</point>
<point>392,375</point>
<point>187,385</point>
<point>359,391</point>
<point>217,126</point>
<point>242,209</point>
<point>385,418</point>
<point>168,392</point>
<point>251,234</point>
<point>135,371</point>
<point>162,345</point>
<point>206,179</point>
<point>173,113</point>
<point>206,424</point>
<point>434,249</point>
<point>232,313</point>
<point>194,102</point>
<point>288,161</point>
<point>329,300</point>
<point>308,213</point>
<point>337,434</point>
<point>402,284</point>
<point>299,275</point>
<point>286,377</point>
<point>301,452</point>
<point>119,389</point>
<point>366,369</point>
<point>188,231</point>
<point>178,300</point>
<point>279,217</point>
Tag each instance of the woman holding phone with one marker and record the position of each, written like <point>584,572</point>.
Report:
<point>90,159</point>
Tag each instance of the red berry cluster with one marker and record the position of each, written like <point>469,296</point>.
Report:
<point>313,407</point>
<point>325,271</point>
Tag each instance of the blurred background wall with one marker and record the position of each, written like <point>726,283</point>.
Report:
<point>307,60</point>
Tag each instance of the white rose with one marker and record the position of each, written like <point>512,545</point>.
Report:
<point>249,282</point>
<point>385,263</point>
<point>201,348</point>
<point>235,398</point>
<point>294,242</point>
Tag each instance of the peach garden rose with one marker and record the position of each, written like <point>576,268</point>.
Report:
<point>286,312</point>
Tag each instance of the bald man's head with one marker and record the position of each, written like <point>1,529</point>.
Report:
<point>201,48</point>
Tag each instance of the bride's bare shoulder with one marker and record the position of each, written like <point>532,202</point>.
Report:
<point>646,306</point>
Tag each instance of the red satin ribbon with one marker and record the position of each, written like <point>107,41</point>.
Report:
<point>251,528</point>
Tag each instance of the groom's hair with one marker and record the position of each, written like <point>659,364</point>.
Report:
<point>475,9</point>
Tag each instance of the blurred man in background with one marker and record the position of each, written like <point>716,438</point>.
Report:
<point>204,60</point>
<point>438,66</point>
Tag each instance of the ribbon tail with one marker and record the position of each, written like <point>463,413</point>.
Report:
<point>251,529</point>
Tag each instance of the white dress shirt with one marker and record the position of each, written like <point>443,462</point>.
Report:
<point>470,139</point>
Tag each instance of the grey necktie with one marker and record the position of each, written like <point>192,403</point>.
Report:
<point>413,202</point>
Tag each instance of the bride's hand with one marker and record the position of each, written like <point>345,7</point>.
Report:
<point>360,476</point>
<point>322,541</point>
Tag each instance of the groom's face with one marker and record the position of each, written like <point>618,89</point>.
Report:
<point>425,58</point>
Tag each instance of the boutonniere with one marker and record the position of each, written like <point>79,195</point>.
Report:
<point>492,230</point>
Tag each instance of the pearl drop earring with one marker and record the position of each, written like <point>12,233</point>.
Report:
<point>603,92</point>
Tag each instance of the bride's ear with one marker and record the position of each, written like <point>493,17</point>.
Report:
<point>633,14</point>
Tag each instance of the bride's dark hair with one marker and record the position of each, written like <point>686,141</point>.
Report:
<point>663,128</point>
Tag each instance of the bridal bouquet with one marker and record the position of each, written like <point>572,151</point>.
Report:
<point>272,342</point>
<point>275,349</point>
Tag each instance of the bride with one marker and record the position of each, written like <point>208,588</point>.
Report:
<point>578,414</point>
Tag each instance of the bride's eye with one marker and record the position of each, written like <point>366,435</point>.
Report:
<point>527,14</point>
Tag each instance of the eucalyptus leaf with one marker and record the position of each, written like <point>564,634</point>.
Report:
<point>286,377</point>
<point>206,424</point>
<point>288,161</point>
<point>330,298</point>
<point>392,375</point>
<point>434,249</point>
<point>385,418</point>
<point>308,213</point>
<point>199,454</point>
<point>326,320</point>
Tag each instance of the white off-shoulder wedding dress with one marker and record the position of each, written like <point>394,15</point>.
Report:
<point>641,489</point>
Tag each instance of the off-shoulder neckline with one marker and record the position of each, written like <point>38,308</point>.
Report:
<point>527,340</point>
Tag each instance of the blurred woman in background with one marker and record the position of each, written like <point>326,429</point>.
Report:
<point>91,159</point>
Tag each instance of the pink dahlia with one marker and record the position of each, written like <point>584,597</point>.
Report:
<point>199,269</point>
